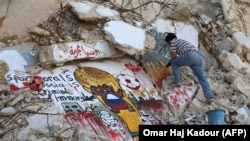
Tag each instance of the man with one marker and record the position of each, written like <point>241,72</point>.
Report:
<point>183,53</point>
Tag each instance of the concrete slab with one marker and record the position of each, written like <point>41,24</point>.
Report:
<point>27,50</point>
<point>155,65</point>
<point>117,89</point>
<point>71,51</point>
<point>179,99</point>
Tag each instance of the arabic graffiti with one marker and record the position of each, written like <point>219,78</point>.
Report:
<point>180,97</point>
<point>80,50</point>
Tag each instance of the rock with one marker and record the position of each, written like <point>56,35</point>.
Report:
<point>8,111</point>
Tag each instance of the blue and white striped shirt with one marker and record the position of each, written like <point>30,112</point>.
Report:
<point>181,46</point>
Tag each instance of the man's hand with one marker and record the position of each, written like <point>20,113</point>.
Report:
<point>168,64</point>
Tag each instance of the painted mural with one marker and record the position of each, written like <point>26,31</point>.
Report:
<point>107,90</point>
<point>155,66</point>
<point>180,97</point>
<point>107,99</point>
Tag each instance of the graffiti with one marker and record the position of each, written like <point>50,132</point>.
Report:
<point>47,92</point>
<point>13,87</point>
<point>75,52</point>
<point>154,64</point>
<point>52,79</point>
<point>180,97</point>
<point>139,74</point>
<point>147,85</point>
<point>18,79</point>
<point>132,67</point>
<point>148,100</point>
<point>149,119</point>
<point>91,123</point>
<point>102,122</point>
<point>159,74</point>
<point>88,98</point>
<point>71,107</point>
<point>111,122</point>
<point>68,77</point>
<point>94,100</point>
<point>54,85</point>
<point>150,111</point>
<point>80,51</point>
<point>69,98</point>
<point>111,98</point>
<point>128,81</point>
<point>58,85</point>
<point>107,90</point>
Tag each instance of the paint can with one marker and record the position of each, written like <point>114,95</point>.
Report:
<point>216,117</point>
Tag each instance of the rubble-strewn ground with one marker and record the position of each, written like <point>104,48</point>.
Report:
<point>227,57</point>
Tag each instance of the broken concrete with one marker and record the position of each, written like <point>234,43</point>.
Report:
<point>135,43</point>
<point>73,51</point>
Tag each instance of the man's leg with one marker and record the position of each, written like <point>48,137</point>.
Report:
<point>199,72</point>
<point>178,62</point>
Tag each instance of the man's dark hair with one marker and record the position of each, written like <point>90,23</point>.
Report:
<point>170,37</point>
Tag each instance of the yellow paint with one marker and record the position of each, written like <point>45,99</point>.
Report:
<point>159,74</point>
<point>88,76</point>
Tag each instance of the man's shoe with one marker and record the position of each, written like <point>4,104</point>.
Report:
<point>210,100</point>
<point>177,85</point>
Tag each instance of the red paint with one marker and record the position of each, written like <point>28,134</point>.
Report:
<point>128,81</point>
<point>80,49</point>
<point>113,134</point>
<point>75,52</point>
<point>131,81</point>
<point>158,83</point>
<point>36,83</point>
<point>132,67</point>
<point>13,87</point>
<point>91,53</point>
<point>174,100</point>
<point>159,74</point>
<point>179,97</point>
<point>155,104</point>
<point>26,84</point>
<point>152,107</point>
<point>84,120</point>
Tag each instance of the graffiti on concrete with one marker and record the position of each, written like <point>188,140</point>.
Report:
<point>181,96</point>
<point>17,81</point>
<point>147,97</point>
<point>95,121</point>
<point>112,98</point>
<point>79,50</point>
<point>108,91</point>
<point>146,85</point>
<point>155,65</point>
<point>103,126</point>
<point>129,81</point>
<point>116,102</point>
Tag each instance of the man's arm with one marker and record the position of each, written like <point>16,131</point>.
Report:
<point>173,56</point>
